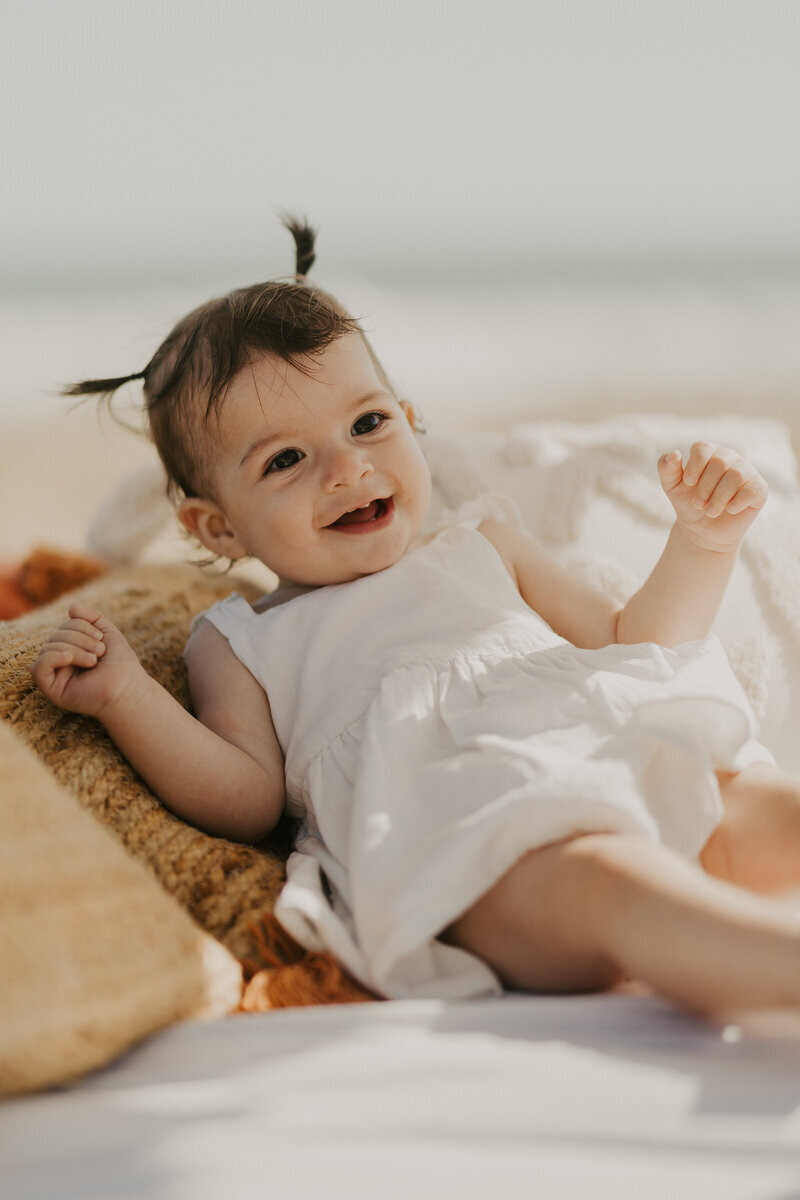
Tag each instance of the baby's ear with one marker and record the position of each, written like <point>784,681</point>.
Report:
<point>206,521</point>
<point>412,416</point>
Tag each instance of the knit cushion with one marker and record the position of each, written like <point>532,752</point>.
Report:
<point>224,886</point>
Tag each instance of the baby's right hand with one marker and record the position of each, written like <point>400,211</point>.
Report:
<point>86,664</point>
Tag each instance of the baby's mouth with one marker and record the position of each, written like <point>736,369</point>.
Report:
<point>367,515</point>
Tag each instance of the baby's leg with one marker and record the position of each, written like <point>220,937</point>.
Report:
<point>757,845</point>
<point>584,914</point>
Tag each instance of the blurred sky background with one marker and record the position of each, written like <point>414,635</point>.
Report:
<point>613,185</point>
<point>429,139</point>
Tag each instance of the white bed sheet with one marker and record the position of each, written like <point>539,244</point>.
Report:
<point>602,1096</point>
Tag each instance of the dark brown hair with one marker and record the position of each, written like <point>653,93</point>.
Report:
<point>186,379</point>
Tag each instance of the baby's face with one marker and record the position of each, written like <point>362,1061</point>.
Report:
<point>318,475</point>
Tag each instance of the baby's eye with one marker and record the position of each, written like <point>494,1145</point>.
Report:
<point>369,422</point>
<point>283,461</point>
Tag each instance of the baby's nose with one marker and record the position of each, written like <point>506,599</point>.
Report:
<point>346,466</point>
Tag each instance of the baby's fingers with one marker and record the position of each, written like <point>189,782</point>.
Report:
<point>722,481</point>
<point>79,632</point>
<point>670,469</point>
<point>751,494</point>
<point>68,652</point>
<point>705,466</point>
<point>82,612</point>
<point>56,666</point>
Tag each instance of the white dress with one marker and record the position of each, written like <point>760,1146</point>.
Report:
<point>435,729</point>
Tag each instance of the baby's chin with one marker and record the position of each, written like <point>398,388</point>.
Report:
<point>346,556</point>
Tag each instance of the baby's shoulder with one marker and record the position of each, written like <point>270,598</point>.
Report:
<point>490,513</point>
<point>504,537</point>
<point>206,644</point>
<point>501,520</point>
<point>213,668</point>
<point>497,519</point>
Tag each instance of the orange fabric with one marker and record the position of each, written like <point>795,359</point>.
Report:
<point>288,976</point>
<point>47,573</point>
<point>12,602</point>
<point>44,575</point>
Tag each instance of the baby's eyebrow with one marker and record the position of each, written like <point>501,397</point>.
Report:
<point>259,444</point>
<point>375,394</point>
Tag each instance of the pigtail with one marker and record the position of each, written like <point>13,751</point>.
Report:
<point>304,237</point>
<point>137,509</point>
<point>97,387</point>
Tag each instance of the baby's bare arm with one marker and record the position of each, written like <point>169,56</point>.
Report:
<point>716,497</point>
<point>224,780</point>
<point>575,610</point>
<point>233,707</point>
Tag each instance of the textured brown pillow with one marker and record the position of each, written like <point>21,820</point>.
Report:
<point>224,886</point>
<point>94,954</point>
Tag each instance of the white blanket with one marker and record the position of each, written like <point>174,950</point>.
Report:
<point>587,1098</point>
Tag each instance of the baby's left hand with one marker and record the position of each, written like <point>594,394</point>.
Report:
<point>716,495</point>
